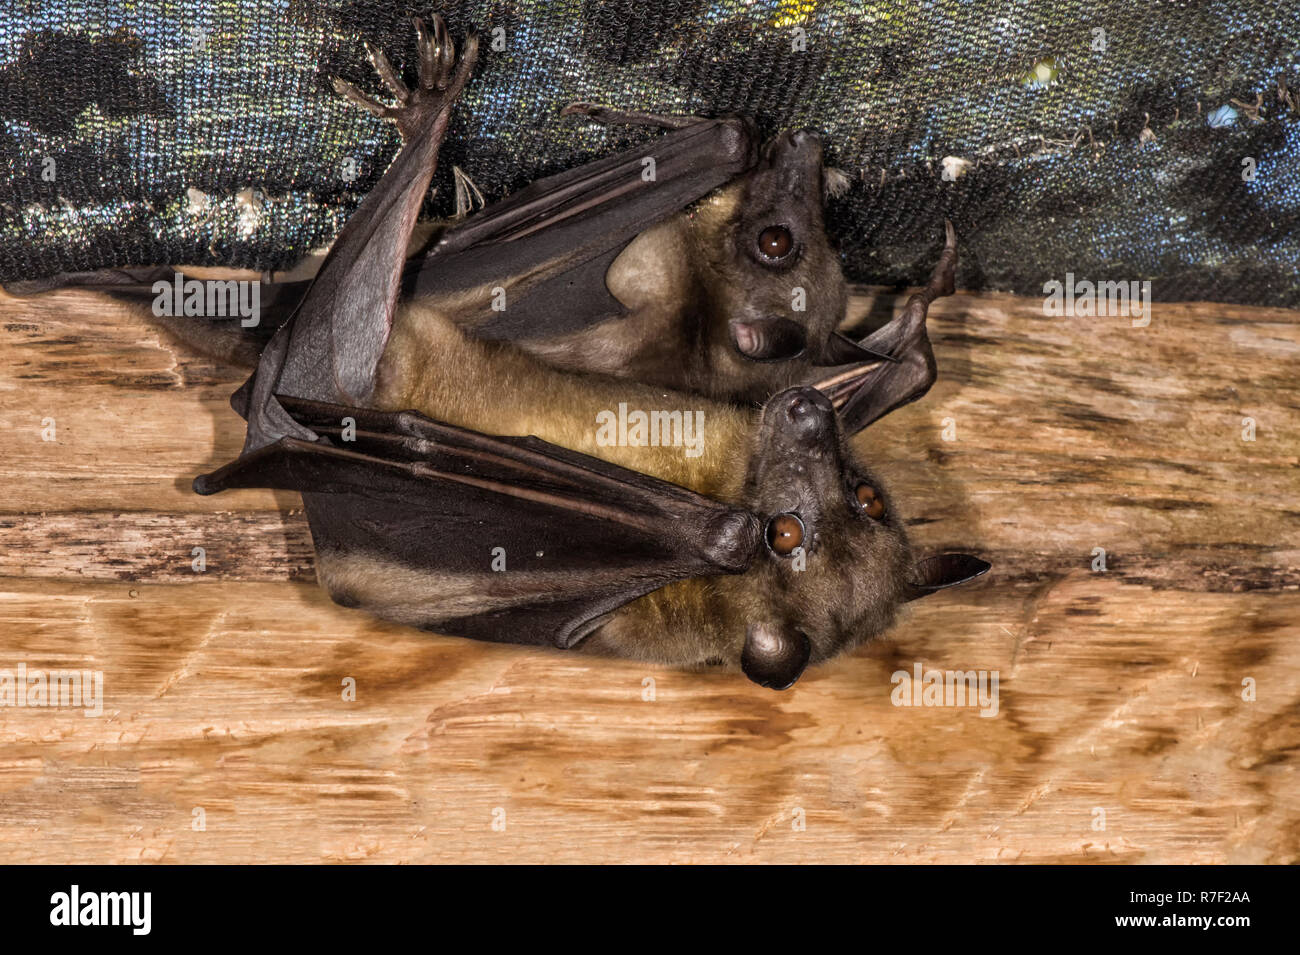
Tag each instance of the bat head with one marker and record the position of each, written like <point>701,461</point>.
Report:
<point>837,563</point>
<point>777,291</point>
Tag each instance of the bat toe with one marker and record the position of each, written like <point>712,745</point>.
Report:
<point>442,76</point>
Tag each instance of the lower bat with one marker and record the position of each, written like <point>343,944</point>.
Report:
<point>767,544</point>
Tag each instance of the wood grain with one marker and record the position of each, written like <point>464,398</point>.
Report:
<point>1120,690</point>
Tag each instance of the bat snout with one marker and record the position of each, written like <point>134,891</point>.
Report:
<point>804,415</point>
<point>774,656</point>
<point>794,159</point>
<point>801,138</point>
<point>795,141</point>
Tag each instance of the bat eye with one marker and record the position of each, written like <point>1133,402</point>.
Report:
<point>869,501</point>
<point>775,242</point>
<point>784,534</point>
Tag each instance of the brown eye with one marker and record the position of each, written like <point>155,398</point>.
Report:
<point>869,501</point>
<point>784,534</point>
<point>775,242</point>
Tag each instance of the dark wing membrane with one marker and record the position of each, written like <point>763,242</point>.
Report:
<point>569,228</point>
<point>867,391</point>
<point>412,503</point>
<point>341,327</point>
<point>135,279</point>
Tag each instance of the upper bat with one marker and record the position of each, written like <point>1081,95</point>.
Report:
<point>698,261</point>
<point>771,546</point>
<point>732,291</point>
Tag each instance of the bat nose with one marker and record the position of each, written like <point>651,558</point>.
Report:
<point>809,413</point>
<point>805,402</point>
<point>797,158</point>
<point>768,339</point>
<point>794,144</point>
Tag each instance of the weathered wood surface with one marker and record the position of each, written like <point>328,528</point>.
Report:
<point>1120,690</point>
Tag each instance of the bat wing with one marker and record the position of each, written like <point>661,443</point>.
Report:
<point>329,347</point>
<point>411,517</point>
<point>136,279</point>
<point>564,231</point>
<point>506,539</point>
<point>866,392</point>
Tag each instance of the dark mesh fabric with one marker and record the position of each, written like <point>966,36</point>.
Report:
<point>1114,140</point>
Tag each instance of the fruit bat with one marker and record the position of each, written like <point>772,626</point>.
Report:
<point>458,483</point>
<point>698,261</point>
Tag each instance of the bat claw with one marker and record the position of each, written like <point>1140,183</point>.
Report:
<point>354,95</point>
<point>391,78</point>
<point>428,54</point>
<point>441,78</point>
<point>446,53</point>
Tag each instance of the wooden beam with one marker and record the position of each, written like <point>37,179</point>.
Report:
<point>1120,699</point>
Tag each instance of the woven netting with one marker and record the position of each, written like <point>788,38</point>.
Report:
<point>1113,140</point>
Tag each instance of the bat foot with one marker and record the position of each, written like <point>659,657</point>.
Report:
<point>442,76</point>
<point>943,280</point>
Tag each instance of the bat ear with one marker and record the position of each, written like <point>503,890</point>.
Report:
<point>841,350</point>
<point>946,570</point>
<point>774,657</point>
<point>769,339</point>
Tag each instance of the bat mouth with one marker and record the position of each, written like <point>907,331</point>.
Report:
<point>768,339</point>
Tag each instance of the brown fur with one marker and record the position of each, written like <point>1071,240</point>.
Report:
<point>686,279</point>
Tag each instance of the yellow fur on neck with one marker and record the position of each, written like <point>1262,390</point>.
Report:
<point>431,367</point>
